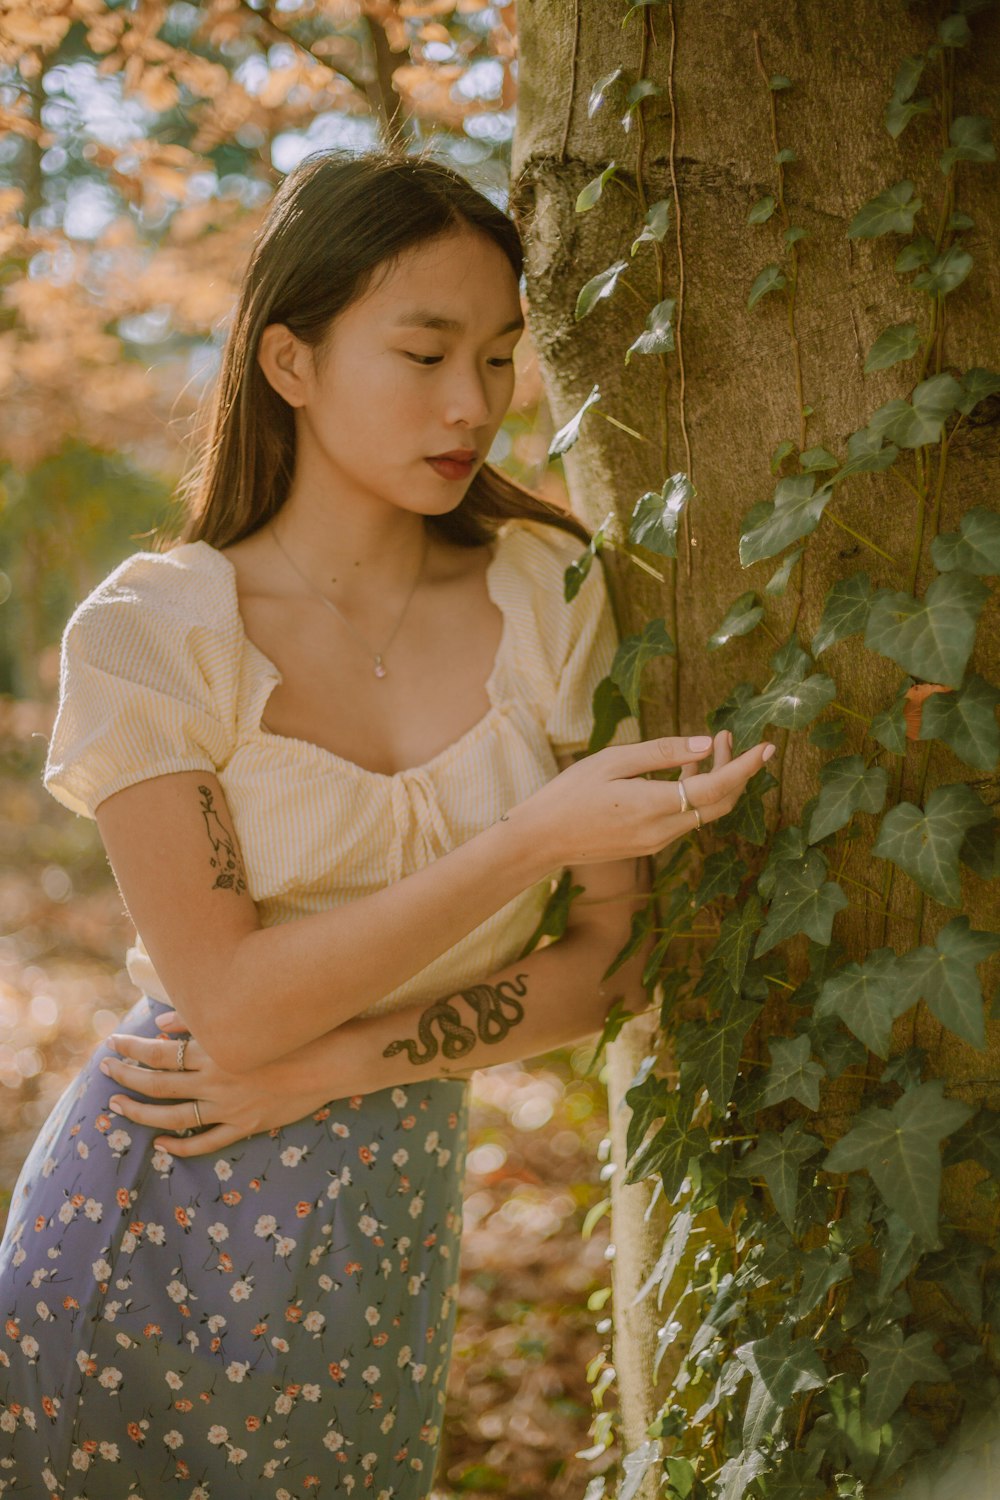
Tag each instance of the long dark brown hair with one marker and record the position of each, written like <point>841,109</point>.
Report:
<point>335,219</point>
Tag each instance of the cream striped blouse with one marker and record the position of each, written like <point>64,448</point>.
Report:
<point>158,675</point>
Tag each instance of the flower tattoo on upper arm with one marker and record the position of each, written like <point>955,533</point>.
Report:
<point>225,854</point>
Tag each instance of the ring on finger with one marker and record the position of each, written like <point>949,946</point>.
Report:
<point>682,793</point>
<point>697,817</point>
<point>181,1049</point>
<point>197,1114</point>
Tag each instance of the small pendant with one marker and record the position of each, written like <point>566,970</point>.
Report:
<point>380,668</point>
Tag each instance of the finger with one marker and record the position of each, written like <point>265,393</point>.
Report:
<point>658,755</point>
<point>723,749</point>
<point>154,1083</point>
<point>159,1116</point>
<point>716,785</point>
<point>171,1021</point>
<point>200,1145</point>
<point>153,1052</point>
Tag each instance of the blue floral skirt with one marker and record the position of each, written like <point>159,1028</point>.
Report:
<point>272,1320</point>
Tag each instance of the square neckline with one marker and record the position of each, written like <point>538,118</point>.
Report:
<point>475,731</point>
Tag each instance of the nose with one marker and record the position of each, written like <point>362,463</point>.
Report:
<point>468,398</point>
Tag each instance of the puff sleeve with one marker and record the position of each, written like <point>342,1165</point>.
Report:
<point>148,677</point>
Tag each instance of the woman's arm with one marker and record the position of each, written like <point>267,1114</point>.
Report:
<point>253,994</point>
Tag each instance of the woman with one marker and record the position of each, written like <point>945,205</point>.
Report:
<point>322,741</point>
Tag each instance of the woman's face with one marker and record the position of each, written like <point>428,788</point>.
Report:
<point>421,365</point>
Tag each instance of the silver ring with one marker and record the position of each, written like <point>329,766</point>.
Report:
<point>682,793</point>
<point>181,1049</point>
<point>197,1115</point>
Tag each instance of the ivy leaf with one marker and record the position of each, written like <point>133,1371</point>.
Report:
<point>714,1048</point>
<point>970,141</point>
<point>648,1101</point>
<point>977,384</point>
<point>899,342</point>
<point>658,335</point>
<point>721,875</point>
<point>656,517</point>
<point>797,511</point>
<point>555,916</point>
<point>793,1074</point>
<point>845,611</point>
<point>771,279</point>
<point>633,655</point>
<point>891,212</point>
<point>954,30</point>
<point>889,724</point>
<point>787,843</point>
<point>925,843</point>
<point>894,1364</point>
<point>791,703</point>
<point>781,1367</point>
<point>590,194</point>
<point>640,928</point>
<point>966,720</point>
<point>577,571</point>
<point>978,1141</point>
<point>829,734</point>
<point>671,1150</point>
<point>945,272</point>
<point>609,708</point>
<point>930,638</point>
<point>900,1148</point>
<point>848,786</point>
<point>980,851</point>
<point>778,581</point>
<point>945,976</point>
<point>916,254</point>
<point>867,998</point>
<point>746,821</point>
<point>567,436</point>
<point>600,89</point>
<point>897,1254</point>
<point>917,422</point>
<point>908,75</point>
<point>974,547</point>
<point>804,901</point>
<point>598,288</point>
<point>740,619</point>
<point>762,210</point>
<point>735,937</point>
<point>636,1465</point>
<point>656,224</point>
<point>821,1270</point>
<point>898,114</point>
<point>958,1268</point>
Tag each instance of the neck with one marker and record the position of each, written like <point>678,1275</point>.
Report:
<point>354,555</point>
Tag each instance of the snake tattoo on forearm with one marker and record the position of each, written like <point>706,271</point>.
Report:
<point>497,1011</point>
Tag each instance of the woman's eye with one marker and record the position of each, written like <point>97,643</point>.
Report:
<point>435,359</point>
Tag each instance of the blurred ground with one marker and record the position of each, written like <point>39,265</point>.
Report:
<point>519,1404</point>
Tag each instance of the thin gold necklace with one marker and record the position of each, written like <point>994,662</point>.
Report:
<point>378,657</point>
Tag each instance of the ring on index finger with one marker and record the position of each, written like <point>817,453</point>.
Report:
<point>685,803</point>
<point>181,1049</point>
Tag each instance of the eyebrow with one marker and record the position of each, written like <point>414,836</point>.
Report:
<point>420,317</point>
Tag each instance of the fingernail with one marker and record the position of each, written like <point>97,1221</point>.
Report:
<point>729,737</point>
<point>115,1107</point>
<point>105,1067</point>
<point>162,1146</point>
<point>768,751</point>
<point>701,742</point>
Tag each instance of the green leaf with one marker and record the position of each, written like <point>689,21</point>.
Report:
<point>977,384</point>
<point>960,221</point>
<point>761,211</point>
<point>897,1254</point>
<point>639,930</point>
<point>735,938</point>
<point>793,1074</point>
<point>974,547</point>
<point>845,611</point>
<point>644,89</point>
<point>794,233</point>
<point>899,342</point>
<point>721,875</point>
<point>954,31</point>
<point>600,89</point>
<point>798,508</point>
<point>925,844</point>
<point>633,655</point>
<point>593,190</point>
<point>867,998</point>
<point>791,703</point>
<point>828,734</point>
<point>891,212</point>
<point>658,335</point>
<point>656,517</point>
<point>787,843</point>
<point>889,724</point>
<point>918,422</point>
<point>945,272</point>
<point>966,720</point>
<point>771,279</point>
<point>958,1268</point>
<point>919,252</point>
<point>978,1141</point>
<point>898,115</point>
<point>908,75</point>
<point>970,141</point>
<point>784,450</point>
<point>598,288</point>
<point>900,1148</point>
<point>746,821</point>
<point>656,224</point>
<point>945,977</point>
<point>804,901</point>
<point>821,1270</point>
<point>609,708</point>
<point>781,1368</point>
<point>778,81</point>
<point>577,571</point>
<point>930,638</point>
<point>817,459</point>
<point>785,155</point>
<point>848,787</point>
<point>567,436</point>
<point>636,1466</point>
<point>740,620</point>
<point>555,916</point>
<point>778,581</point>
<point>649,1100</point>
<point>981,850</point>
<point>670,1151</point>
<point>894,1364</point>
<point>714,1048</point>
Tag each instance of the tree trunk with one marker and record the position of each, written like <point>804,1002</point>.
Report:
<point>739,392</point>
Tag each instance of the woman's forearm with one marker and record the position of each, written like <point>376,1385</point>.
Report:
<point>552,998</point>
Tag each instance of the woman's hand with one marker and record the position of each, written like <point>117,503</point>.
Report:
<point>232,1106</point>
<point>603,808</point>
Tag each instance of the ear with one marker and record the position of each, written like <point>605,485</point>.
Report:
<point>286,362</point>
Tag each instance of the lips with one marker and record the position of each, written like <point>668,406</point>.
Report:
<point>452,468</point>
<point>460,455</point>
